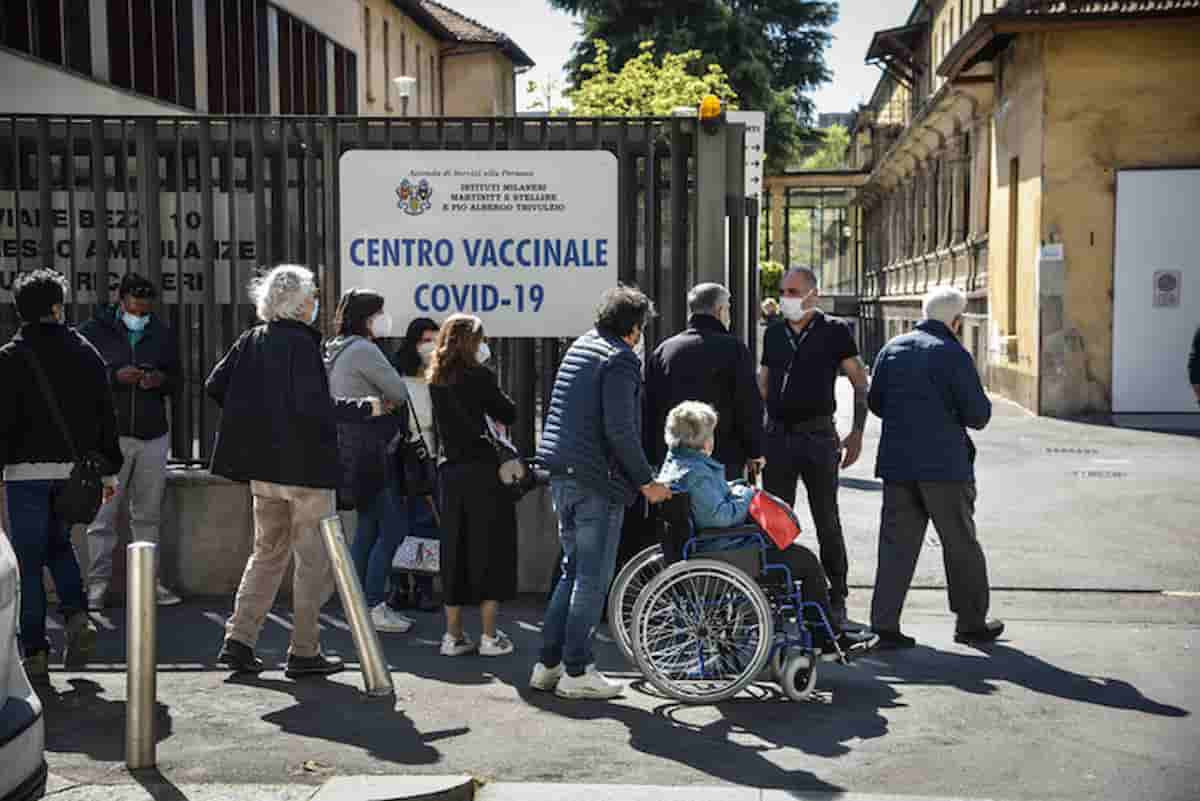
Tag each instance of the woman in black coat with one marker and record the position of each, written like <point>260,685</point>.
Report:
<point>479,518</point>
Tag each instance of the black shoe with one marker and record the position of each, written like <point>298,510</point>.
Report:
<point>852,643</point>
<point>240,657</point>
<point>319,665</point>
<point>398,600</point>
<point>894,640</point>
<point>990,631</point>
<point>422,601</point>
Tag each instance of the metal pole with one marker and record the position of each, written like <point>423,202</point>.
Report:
<point>141,649</point>
<point>377,679</point>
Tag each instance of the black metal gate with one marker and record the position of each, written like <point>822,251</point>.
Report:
<point>199,204</point>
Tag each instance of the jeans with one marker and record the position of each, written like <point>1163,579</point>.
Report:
<point>142,480</point>
<point>383,523</point>
<point>589,530</point>
<point>286,520</point>
<point>814,458</point>
<point>40,541</point>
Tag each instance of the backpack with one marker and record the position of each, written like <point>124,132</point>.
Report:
<point>775,517</point>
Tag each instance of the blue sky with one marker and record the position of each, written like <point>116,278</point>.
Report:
<point>547,35</point>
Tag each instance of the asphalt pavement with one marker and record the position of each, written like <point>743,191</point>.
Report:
<point>1093,539</point>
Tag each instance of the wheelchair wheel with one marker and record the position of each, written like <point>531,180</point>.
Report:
<point>798,676</point>
<point>626,587</point>
<point>702,631</point>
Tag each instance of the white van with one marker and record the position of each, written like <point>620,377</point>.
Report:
<point>22,731</point>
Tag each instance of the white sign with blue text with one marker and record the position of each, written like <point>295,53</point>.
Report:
<point>525,240</point>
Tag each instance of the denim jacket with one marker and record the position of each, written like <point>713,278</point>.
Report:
<point>715,502</point>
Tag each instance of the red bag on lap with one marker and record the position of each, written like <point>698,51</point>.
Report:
<point>775,517</point>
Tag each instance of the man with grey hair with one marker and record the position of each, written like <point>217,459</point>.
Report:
<point>278,432</point>
<point>927,392</point>
<point>707,363</point>
<point>800,363</point>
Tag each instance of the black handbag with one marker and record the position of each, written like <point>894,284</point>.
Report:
<point>418,464</point>
<point>82,495</point>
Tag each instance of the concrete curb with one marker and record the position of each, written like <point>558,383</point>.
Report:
<point>397,788</point>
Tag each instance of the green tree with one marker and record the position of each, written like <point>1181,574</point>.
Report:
<point>645,86</point>
<point>773,49</point>
<point>831,155</point>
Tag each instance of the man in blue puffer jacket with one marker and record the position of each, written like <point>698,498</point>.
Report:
<point>927,391</point>
<point>592,446</point>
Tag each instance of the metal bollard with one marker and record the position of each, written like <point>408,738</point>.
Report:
<point>141,682</point>
<point>377,679</point>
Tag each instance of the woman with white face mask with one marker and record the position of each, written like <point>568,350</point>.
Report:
<point>357,367</point>
<point>479,515</point>
<point>412,360</point>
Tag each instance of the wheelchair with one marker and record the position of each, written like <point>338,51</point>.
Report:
<point>703,614</point>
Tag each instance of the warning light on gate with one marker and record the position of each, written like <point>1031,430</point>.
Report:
<point>711,114</point>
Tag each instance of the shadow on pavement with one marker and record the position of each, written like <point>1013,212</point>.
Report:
<point>341,714</point>
<point>74,716</point>
<point>158,786</point>
<point>979,672</point>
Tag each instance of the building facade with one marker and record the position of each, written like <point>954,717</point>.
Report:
<point>252,57</point>
<point>996,142</point>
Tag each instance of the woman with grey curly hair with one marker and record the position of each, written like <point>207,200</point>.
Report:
<point>278,432</point>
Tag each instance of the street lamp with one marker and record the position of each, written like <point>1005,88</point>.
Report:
<point>406,85</point>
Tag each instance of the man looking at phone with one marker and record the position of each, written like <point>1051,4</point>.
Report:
<point>142,362</point>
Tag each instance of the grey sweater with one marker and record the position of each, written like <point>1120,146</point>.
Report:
<point>357,368</point>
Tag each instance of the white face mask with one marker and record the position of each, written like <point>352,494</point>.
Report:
<point>483,354</point>
<point>381,326</point>
<point>425,351</point>
<point>639,349</point>
<point>793,308</point>
<point>726,317</point>
<point>312,320</point>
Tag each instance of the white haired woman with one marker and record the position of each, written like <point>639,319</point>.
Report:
<point>689,467</point>
<point>278,432</point>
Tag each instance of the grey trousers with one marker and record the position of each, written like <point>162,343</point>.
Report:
<point>908,506</point>
<point>142,480</point>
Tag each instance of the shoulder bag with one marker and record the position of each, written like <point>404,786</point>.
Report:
<point>513,471</point>
<point>82,495</point>
<point>418,465</point>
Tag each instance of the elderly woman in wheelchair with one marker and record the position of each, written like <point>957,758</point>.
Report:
<point>716,605</point>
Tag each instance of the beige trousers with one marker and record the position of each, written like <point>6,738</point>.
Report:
<point>286,523</point>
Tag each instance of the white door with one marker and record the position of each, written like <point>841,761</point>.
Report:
<point>1156,293</point>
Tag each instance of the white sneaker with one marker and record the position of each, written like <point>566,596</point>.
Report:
<point>592,684</point>
<point>453,647</point>
<point>495,646</point>
<point>95,597</point>
<point>544,678</point>
<point>165,597</point>
<point>388,620</point>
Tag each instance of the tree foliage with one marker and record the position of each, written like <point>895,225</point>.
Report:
<point>832,153</point>
<point>646,86</point>
<point>773,49</point>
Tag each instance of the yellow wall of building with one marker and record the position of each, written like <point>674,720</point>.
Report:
<point>479,84</point>
<point>1115,99</point>
<point>376,91</point>
<point>1017,132</point>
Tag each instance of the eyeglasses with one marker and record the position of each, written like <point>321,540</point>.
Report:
<point>141,292</point>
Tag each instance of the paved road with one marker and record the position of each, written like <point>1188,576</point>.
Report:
<point>1091,694</point>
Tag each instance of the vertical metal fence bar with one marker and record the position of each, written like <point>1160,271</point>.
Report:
<point>651,255</point>
<point>231,197</point>
<point>287,250</point>
<point>122,172</point>
<point>181,402</point>
<point>674,305</point>
<point>331,196</point>
<point>208,262</point>
<point>45,198</point>
<point>312,256</point>
<point>72,222</point>
<point>100,205</point>
<point>752,288</point>
<point>526,376</point>
<point>18,173</point>
<point>257,175</point>
<point>735,211</point>
<point>149,188</point>
<point>626,214</point>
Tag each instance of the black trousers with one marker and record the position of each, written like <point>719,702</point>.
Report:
<point>813,457</point>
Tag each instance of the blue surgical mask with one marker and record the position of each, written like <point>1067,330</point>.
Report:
<point>133,322</point>
<point>315,312</point>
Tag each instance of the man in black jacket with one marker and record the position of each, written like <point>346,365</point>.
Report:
<point>142,361</point>
<point>1194,365</point>
<point>38,459</point>
<point>706,363</point>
